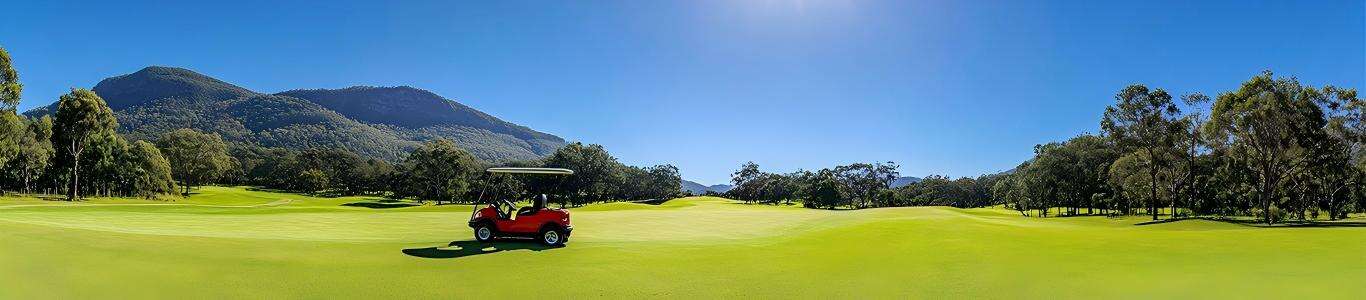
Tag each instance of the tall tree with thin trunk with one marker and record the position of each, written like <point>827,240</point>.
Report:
<point>11,125</point>
<point>81,116</point>
<point>1192,144</point>
<point>1272,124</point>
<point>1142,120</point>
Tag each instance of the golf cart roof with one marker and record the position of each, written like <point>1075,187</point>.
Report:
<point>551,171</point>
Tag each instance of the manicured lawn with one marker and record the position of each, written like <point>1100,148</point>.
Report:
<point>232,242</point>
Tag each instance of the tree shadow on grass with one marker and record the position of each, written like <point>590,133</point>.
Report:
<point>458,249</point>
<point>1261,224</point>
<point>382,204</point>
<point>50,197</point>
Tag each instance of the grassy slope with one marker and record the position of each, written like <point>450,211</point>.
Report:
<point>696,247</point>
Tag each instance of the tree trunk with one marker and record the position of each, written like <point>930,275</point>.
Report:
<point>74,191</point>
<point>1266,202</point>
<point>27,187</point>
<point>1152,183</point>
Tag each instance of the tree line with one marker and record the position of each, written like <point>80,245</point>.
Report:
<point>441,172</point>
<point>1273,149</point>
<point>77,152</point>
<point>854,186</point>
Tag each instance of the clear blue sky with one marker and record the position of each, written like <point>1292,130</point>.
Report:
<point>941,87</point>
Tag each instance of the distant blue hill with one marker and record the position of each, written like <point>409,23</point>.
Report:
<point>904,181</point>
<point>698,188</point>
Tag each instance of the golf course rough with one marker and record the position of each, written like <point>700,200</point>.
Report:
<point>238,243</point>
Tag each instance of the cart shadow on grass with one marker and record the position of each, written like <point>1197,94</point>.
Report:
<point>458,249</point>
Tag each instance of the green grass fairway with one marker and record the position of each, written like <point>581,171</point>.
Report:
<point>231,242</point>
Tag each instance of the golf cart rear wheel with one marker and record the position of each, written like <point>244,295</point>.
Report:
<point>552,237</point>
<point>483,233</point>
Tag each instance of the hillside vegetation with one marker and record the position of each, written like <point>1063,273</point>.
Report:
<point>371,121</point>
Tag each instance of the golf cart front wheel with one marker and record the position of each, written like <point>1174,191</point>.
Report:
<point>552,237</point>
<point>483,233</point>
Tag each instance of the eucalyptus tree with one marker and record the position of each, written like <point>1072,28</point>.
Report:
<point>663,181</point>
<point>1131,179</point>
<point>437,170</point>
<point>824,190</point>
<point>196,158</point>
<point>745,182</point>
<point>10,88</point>
<point>1191,145</point>
<point>1091,157</point>
<point>1336,171</point>
<point>148,172</point>
<point>81,117</point>
<point>597,175</point>
<point>1047,174</point>
<point>11,125</point>
<point>864,181</point>
<point>1143,120</point>
<point>1272,124</point>
<point>36,154</point>
<point>1010,191</point>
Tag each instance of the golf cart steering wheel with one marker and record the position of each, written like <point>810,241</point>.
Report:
<point>505,213</point>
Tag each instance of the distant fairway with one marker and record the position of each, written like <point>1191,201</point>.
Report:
<point>230,242</point>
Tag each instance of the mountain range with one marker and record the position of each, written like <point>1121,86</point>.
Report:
<point>698,188</point>
<point>905,180</point>
<point>380,122</point>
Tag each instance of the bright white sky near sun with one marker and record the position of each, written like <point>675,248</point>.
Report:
<point>942,87</point>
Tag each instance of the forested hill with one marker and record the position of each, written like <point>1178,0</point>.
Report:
<point>698,189</point>
<point>371,121</point>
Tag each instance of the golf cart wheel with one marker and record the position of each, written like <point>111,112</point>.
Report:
<point>484,233</point>
<point>551,236</point>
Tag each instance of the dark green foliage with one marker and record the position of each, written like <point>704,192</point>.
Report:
<point>438,171</point>
<point>146,171</point>
<point>10,88</point>
<point>1276,126</point>
<point>864,182</point>
<point>823,191</point>
<point>942,191</point>
<point>313,181</point>
<point>35,155</point>
<point>196,158</point>
<point>11,125</point>
<point>1272,148</point>
<point>1143,120</point>
<point>12,133</point>
<point>597,174</point>
<point>347,173</point>
<point>859,185</point>
<point>82,117</point>
<point>660,182</point>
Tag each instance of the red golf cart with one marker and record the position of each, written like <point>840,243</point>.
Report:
<point>498,218</point>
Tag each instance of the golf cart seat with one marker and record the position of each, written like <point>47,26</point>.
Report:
<point>536,205</point>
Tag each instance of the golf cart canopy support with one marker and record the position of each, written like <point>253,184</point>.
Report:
<point>550,171</point>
